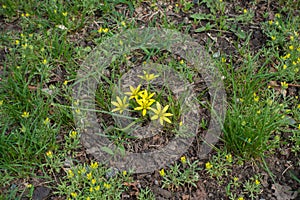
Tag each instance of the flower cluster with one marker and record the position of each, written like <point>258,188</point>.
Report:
<point>142,100</point>
<point>89,182</point>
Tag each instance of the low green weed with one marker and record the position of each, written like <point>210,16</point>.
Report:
<point>180,174</point>
<point>90,182</point>
<point>219,166</point>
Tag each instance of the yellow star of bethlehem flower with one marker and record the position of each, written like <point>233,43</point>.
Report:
<point>94,165</point>
<point>144,95</point>
<point>162,172</point>
<point>25,114</point>
<point>161,114</point>
<point>120,105</point>
<point>148,77</point>
<point>145,101</point>
<point>134,92</point>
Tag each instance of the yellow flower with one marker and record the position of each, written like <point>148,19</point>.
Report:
<point>287,55</point>
<point>270,22</point>
<point>103,30</point>
<point>161,114</point>
<point>144,95</point>
<point>256,98</point>
<point>24,46</point>
<point>89,176</point>
<point>208,165</point>
<point>277,15</point>
<point>97,188</point>
<point>181,62</point>
<point>257,182</point>
<point>235,179</point>
<point>65,82</point>
<point>292,38</point>
<point>107,185</point>
<point>74,194</point>
<point>120,105</point>
<point>144,105</point>
<point>258,112</point>
<point>73,134</point>
<point>49,154</point>
<point>4,6</point>
<point>70,173</point>
<point>1,102</point>
<point>229,157</point>
<point>124,173</point>
<point>25,114</point>
<point>148,77</point>
<point>27,14</point>
<point>94,165</point>
<point>273,37</point>
<point>162,172</point>
<point>88,198</point>
<point>284,67</point>
<point>93,181</point>
<point>83,170</point>
<point>183,159</point>
<point>123,24</point>
<point>78,111</point>
<point>44,61</point>
<point>29,186</point>
<point>223,60</point>
<point>145,102</point>
<point>298,106</point>
<point>91,189</point>
<point>17,42</point>
<point>291,47</point>
<point>100,30</point>
<point>284,85</point>
<point>240,198</point>
<point>46,121</point>
<point>134,92</point>
<point>55,11</point>
<point>65,14</point>
<point>299,126</point>
<point>245,11</point>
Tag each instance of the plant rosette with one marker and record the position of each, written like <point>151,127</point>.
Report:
<point>94,136</point>
<point>162,77</point>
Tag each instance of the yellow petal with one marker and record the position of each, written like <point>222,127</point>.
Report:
<point>165,108</point>
<point>115,103</point>
<point>167,120</point>
<point>144,112</point>
<point>119,101</point>
<point>158,106</point>
<point>116,109</point>
<point>161,121</point>
<point>138,108</point>
<point>154,117</point>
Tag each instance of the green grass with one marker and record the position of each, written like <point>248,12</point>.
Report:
<point>48,42</point>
